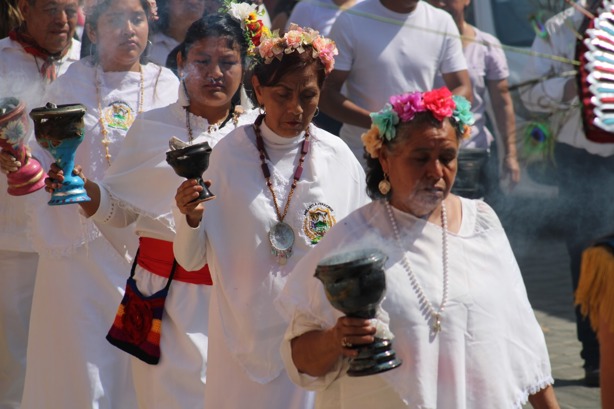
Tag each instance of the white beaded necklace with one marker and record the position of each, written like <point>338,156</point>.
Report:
<point>434,315</point>
<point>103,129</point>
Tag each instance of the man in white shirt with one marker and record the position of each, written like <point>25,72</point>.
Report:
<point>33,55</point>
<point>387,47</point>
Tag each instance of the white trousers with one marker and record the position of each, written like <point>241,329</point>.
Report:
<point>178,380</point>
<point>17,275</point>
<point>70,363</point>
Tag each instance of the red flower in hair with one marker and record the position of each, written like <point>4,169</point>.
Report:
<point>440,103</point>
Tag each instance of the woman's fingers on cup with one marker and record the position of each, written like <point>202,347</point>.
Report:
<point>352,332</point>
<point>51,184</point>
<point>357,330</point>
<point>77,170</point>
<point>55,174</point>
<point>54,179</point>
<point>186,193</point>
<point>8,163</point>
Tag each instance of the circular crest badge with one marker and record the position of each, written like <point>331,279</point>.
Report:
<point>319,218</point>
<point>119,115</point>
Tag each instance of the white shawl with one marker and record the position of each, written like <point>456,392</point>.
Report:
<point>490,353</point>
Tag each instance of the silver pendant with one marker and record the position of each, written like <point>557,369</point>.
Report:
<point>436,327</point>
<point>281,237</point>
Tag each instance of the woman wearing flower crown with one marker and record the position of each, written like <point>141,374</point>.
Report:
<point>83,266</point>
<point>280,184</point>
<point>455,306</point>
<point>139,188</point>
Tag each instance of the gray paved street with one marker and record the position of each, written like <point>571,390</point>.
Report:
<point>535,236</point>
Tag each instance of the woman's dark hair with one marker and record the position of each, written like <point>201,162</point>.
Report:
<point>88,48</point>
<point>10,17</point>
<point>374,170</point>
<point>215,25</point>
<point>284,6</point>
<point>270,74</point>
<point>161,24</point>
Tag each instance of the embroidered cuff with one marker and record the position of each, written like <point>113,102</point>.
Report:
<point>106,208</point>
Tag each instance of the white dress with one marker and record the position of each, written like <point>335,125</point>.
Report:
<point>140,187</point>
<point>244,365</point>
<point>490,353</point>
<point>20,78</point>
<point>83,267</point>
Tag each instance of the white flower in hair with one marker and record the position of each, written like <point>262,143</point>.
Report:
<point>241,11</point>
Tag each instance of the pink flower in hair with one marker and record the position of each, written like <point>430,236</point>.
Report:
<point>293,38</point>
<point>266,48</point>
<point>440,103</point>
<point>153,8</point>
<point>326,50</point>
<point>407,105</point>
<point>319,43</point>
<point>327,57</point>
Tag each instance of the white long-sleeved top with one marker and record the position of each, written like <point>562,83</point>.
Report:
<point>60,230</point>
<point>490,352</point>
<point>233,236</point>
<point>140,186</point>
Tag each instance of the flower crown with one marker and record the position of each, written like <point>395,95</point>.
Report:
<point>90,5</point>
<point>264,46</point>
<point>403,108</point>
<point>253,27</point>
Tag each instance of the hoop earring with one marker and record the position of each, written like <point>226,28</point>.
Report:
<point>384,185</point>
<point>317,112</point>
<point>147,50</point>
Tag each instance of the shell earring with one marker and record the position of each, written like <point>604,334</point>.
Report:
<point>384,185</point>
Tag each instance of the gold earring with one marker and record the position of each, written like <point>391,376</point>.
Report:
<point>384,185</point>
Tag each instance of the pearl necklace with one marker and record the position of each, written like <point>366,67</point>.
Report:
<point>435,316</point>
<point>103,129</point>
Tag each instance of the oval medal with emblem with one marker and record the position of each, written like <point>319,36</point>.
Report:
<point>319,218</point>
<point>119,115</point>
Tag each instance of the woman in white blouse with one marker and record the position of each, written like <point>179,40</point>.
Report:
<point>83,265</point>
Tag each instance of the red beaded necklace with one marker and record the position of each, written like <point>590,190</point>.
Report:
<point>281,235</point>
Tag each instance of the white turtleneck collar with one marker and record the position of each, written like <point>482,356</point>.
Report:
<point>272,139</point>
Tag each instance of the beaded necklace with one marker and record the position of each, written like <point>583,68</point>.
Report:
<point>103,128</point>
<point>281,235</point>
<point>233,115</point>
<point>435,316</point>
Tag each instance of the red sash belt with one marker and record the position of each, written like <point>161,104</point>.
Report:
<point>156,256</point>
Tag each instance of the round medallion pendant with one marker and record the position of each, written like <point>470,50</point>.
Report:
<point>281,237</point>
